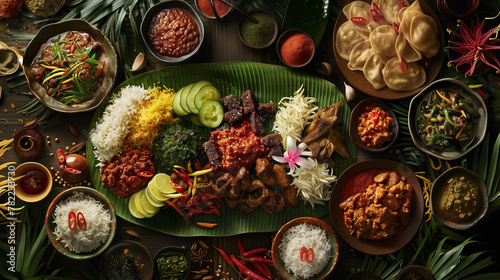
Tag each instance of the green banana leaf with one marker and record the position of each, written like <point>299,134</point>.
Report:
<point>308,15</point>
<point>269,83</point>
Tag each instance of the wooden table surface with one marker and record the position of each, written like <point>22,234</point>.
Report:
<point>221,44</point>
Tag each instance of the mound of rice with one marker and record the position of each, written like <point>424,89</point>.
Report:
<point>309,236</point>
<point>98,223</point>
<point>109,132</point>
<point>154,113</point>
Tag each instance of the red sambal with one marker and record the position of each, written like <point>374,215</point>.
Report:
<point>34,183</point>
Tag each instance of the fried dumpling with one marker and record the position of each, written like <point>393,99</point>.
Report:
<point>373,25</point>
<point>390,10</point>
<point>373,71</point>
<point>398,80</point>
<point>423,35</point>
<point>346,39</point>
<point>405,50</point>
<point>359,9</point>
<point>383,41</point>
<point>359,55</point>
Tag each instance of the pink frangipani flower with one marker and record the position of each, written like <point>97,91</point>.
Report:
<point>292,155</point>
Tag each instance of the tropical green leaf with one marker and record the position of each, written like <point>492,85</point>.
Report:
<point>485,276</point>
<point>308,15</point>
<point>474,268</point>
<point>269,83</point>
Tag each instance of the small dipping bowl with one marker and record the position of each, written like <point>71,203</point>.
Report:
<point>173,250</point>
<point>353,124</point>
<point>116,253</point>
<point>47,9</point>
<point>22,170</point>
<point>295,55</point>
<point>204,8</point>
<point>10,61</point>
<point>439,197</point>
<point>330,234</point>
<point>258,35</point>
<point>415,272</point>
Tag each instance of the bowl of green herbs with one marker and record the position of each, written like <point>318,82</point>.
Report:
<point>172,262</point>
<point>70,66</point>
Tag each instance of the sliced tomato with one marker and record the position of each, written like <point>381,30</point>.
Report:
<point>71,220</point>
<point>82,223</point>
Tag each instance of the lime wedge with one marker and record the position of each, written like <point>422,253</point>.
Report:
<point>161,182</point>
<point>132,207</point>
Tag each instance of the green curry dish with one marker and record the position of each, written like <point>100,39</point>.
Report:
<point>176,145</point>
<point>171,266</point>
<point>447,120</point>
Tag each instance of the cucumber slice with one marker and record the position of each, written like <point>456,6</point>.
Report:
<point>184,95</point>
<point>176,104</point>
<point>205,93</point>
<point>195,119</point>
<point>192,94</point>
<point>211,113</point>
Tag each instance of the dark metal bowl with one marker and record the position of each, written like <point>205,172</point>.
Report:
<point>50,31</point>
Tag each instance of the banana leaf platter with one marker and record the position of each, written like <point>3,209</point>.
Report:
<point>268,83</point>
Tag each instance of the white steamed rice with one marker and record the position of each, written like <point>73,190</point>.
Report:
<point>98,223</point>
<point>309,236</point>
<point>109,132</point>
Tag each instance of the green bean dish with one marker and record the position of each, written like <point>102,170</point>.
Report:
<point>447,120</point>
<point>70,68</point>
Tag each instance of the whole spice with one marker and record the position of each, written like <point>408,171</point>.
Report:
<point>297,49</point>
<point>206,8</point>
<point>245,270</point>
<point>258,34</point>
<point>133,233</point>
<point>73,130</point>
<point>31,124</point>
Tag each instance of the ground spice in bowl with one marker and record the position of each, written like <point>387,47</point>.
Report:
<point>259,35</point>
<point>44,8</point>
<point>295,48</point>
<point>206,9</point>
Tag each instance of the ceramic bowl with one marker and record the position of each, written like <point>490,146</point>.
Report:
<point>465,91</point>
<point>154,10</point>
<point>197,4</point>
<point>285,36</point>
<point>51,31</point>
<point>353,124</point>
<point>275,24</point>
<point>278,263</point>
<point>21,170</point>
<point>339,195</point>
<point>180,249</point>
<point>50,225</point>
<point>136,250</point>
<point>439,188</point>
<point>417,272</point>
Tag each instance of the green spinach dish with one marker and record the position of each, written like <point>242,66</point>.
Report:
<point>447,120</point>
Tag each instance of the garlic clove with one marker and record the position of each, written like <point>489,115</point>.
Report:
<point>324,68</point>
<point>350,94</point>
<point>139,63</point>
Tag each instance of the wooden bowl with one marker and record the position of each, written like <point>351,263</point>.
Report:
<point>353,124</point>
<point>385,246</point>
<point>138,252</point>
<point>278,263</point>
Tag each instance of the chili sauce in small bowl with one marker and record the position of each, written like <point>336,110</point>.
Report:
<point>35,183</point>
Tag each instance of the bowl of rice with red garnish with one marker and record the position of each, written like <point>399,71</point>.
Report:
<point>305,248</point>
<point>80,223</point>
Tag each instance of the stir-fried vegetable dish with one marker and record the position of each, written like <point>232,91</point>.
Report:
<point>70,68</point>
<point>447,120</point>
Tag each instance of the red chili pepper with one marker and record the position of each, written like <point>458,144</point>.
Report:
<point>241,248</point>
<point>255,252</point>
<point>72,66</point>
<point>310,255</point>
<point>215,210</point>
<point>481,92</point>
<point>402,3</point>
<point>185,177</point>
<point>177,187</point>
<point>245,270</point>
<point>358,19</point>
<point>73,46</point>
<point>374,15</point>
<point>224,256</point>
<point>72,170</point>
<point>378,11</point>
<point>145,174</point>
<point>83,58</point>
<point>71,220</point>
<point>102,69</point>
<point>395,27</point>
<point>426,62</point>
<point>262,268</point>
<point>41,73</point>
<point>61,89</point>
<point>303,254</point>
<point>173,205</point>
<point>82,224</point>
<point>258,259</point>
<point>61,157</point>
<point>208,212</point>
<point>403,65</point>
<point>197,164</point>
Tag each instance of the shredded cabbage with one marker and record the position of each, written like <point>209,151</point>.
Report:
<point>314,185</point>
